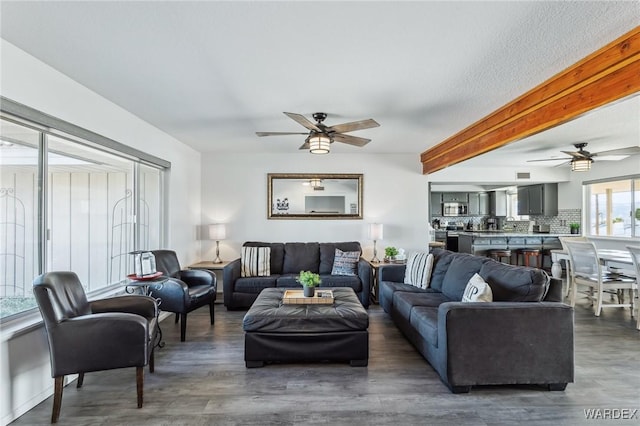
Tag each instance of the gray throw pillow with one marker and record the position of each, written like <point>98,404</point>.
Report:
<point>345,262</point>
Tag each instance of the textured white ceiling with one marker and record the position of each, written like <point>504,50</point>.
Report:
<point>213,73</point>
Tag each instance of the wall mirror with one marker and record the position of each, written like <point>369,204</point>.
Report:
<point>314,196</point>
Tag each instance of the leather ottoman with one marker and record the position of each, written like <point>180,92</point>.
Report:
<point>277,332</point>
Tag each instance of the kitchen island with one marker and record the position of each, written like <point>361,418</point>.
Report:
<point>480,242</point>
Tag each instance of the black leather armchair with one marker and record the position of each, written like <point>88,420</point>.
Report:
<point>185,290</point>
<point>88,336</point>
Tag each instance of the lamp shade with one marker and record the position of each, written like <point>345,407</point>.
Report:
<point>581,164</point>
<point>217,231</point>
<point>319,144</point>
<point>375,231</point>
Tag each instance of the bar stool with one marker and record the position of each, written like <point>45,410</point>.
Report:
<point>527,254</point>
<point>546,253</point>
<point>498,254</point>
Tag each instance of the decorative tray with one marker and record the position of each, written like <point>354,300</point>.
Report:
<point>296,297</point>
<point>134,277</point>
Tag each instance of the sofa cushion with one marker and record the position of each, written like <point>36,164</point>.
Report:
<point>341,281</point>
<point>477,290</point>
<point>301,257</point>
<point>255,262</point>
<point>345,262</point>
<point>460,271</point>
<point>403,302</point>
<point>424,320</point>
<point>511,283</point>
<point>441,261</point>
<point>386,289</point>
<point>328,252</point>
<point>277,254</point>
<point>418,270</point>
<point>254,285</point>
<point>288,281</point>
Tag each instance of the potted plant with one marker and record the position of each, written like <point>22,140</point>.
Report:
<point>575,228</point>
<point>390,253</point>
<point>309,281</point>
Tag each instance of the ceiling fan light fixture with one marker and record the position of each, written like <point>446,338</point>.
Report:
<point>581,164</point>
<point>319,144</point>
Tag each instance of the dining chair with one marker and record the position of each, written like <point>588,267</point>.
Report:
<point>569,275</point>
<point>587,271</point>
<point>86,336</point>
<point>635,257</point>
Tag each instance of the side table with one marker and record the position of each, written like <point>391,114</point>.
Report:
<point>143,286</point>
<point>373,297</point>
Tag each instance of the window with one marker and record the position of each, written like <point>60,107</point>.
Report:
<point>614,207</point>
<point>70,203</point>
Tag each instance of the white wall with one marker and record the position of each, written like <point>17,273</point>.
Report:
<point>234,191</point>
<point>25,380</point>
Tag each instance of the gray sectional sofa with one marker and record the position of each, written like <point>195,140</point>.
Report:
<point>286,262</point>
<point>525,336</point>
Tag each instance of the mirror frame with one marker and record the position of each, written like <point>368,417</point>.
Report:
<point>307,176</point>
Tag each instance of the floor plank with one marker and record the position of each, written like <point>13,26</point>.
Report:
<point>203,381</point>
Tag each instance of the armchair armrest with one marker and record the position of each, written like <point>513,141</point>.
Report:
<point>172,292</point>
<point>365,273</point>
<point>100,342</point>
<point>140,305</point>
<point>507,342</point>
<point>193,277</point>
<point>230,274</point>
<point>393,273</point>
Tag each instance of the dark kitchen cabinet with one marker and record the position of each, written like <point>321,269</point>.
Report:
<point>483,199</point>
<point>455,197</point>
<point>474,204</point>
<point>498,203</point>
<point>435,204</point>
<point>538,200</point>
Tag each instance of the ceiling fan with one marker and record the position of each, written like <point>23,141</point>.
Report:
<point>320,137</point>
<point>581,159</point>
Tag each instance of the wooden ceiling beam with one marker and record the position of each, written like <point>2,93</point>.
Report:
<point>609,74</point>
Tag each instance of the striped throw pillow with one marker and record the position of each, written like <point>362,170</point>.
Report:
<point>255,262</point>
<point>345,262</point>
<point>418,271</point>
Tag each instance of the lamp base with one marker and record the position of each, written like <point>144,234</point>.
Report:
<point>217,259</point>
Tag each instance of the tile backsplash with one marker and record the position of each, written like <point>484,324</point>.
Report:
<point>560,224</point>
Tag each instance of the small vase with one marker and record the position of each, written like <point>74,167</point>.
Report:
<point>309,291</point>
<point>575,230</point>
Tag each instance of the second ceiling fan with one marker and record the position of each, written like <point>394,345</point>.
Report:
<point>320,137</point>
<point>581,159</point>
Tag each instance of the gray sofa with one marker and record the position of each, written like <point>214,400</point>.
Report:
<point>525,336</point>
<point>286,262</point>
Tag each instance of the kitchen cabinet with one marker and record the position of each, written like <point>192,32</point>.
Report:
<point>498,203</point>
<point>538,200</point>
<point>474,204</point>
<point>435,204</point>
<point>457,197</point>
<point>484,209</point>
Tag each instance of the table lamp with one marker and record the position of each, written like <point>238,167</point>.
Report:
<point>217,232</point>
<point>375,233</point>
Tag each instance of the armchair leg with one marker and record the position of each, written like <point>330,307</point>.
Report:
<point>183,326</point>
<point>57,398</point>
<point>177,318</point>
<point>211,312</point>
<point>139,384</point>
<point>80,380</point>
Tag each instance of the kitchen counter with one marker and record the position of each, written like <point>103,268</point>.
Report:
<point>480,242</point>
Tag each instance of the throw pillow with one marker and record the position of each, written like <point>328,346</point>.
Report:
<point>477,290</point>
<point>418,270</point>
<point>345,262</point>
<point>255,262</point>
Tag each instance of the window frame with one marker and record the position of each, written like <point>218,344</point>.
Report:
<point>634,188</point>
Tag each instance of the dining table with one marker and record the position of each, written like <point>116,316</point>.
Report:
<point>619,260</point>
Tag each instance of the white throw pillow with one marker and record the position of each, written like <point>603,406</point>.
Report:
<point>418,271</point>
<point>477,290</point>
<point>255,262</point>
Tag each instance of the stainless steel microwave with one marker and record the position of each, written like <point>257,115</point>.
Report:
<point>454,209</point>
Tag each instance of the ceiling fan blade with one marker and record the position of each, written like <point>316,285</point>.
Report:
<point>350,140</point>
<point>354,125</point>
<point>633,150</point>
<point>304,145</point>
<point>301,119</point>
<point>578,154</point>
<point>279,133</point>
<point>549,159</point>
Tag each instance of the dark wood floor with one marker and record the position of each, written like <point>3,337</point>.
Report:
<point>203,381</point>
